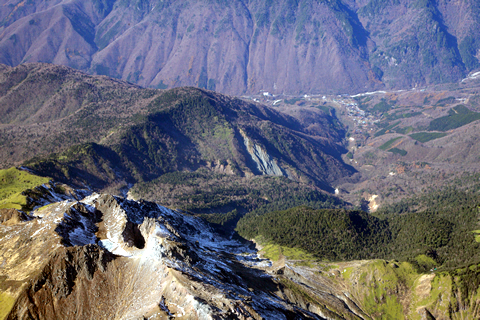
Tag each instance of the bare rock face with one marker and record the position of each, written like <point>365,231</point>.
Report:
<point>13,216</point>
<point>243,46</point>
<point>105,257</point>
<point>265,164</point>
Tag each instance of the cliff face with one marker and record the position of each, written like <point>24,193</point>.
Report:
<point>265,164</point>
<point>243,46</point>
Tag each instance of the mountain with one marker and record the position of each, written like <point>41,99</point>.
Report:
<point>186,143</point>
<point>103,257</point>
<point>222,164</point>
<point>100,132</point>
<point>105,252</point>
<point>242,47</point>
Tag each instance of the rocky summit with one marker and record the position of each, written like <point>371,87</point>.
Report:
<point>343,181</point>
<point>106,257</point>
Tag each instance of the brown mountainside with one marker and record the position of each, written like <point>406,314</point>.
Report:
<point>104,130</point>
<point>107,258</point>
<point>243,46</point>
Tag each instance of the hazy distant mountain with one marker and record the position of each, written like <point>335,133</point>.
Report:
<point>244,46</point>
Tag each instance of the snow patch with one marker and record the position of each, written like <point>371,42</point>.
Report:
<point>81,237</point>
<point>472,76</point>
<point>114,248</point>
<point>90,200</point>
<point>38,231</point>
<point>253,260</point>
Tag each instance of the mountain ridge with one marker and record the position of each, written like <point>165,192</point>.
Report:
<point>113,131</point>
<point>104,250</point>
<point>232,162</point>
<point>109,250</point>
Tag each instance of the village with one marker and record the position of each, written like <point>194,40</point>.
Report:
<point>361,123</point>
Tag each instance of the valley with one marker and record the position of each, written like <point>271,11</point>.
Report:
<point>240,159</point>
<point>398,140</point>
<point>187,203</point>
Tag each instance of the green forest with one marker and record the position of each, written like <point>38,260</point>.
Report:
<point>440,225</point>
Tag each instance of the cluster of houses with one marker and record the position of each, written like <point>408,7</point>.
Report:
<point>363,120</point>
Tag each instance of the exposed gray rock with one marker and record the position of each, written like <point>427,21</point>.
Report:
<point>265,164</point>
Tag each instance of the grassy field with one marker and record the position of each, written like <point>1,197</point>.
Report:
<point>427,136</point>
<point>477,235</point>
<point>458,117</point>
<point>387,145</point>
<point>6,304</point>
<point>398,151</point>
<point>274,252</point>
<point>380,285</point>
<point>12,183</point>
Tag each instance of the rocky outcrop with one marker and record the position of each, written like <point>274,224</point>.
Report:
<point>105,257</point>
<point>108,258</point>
<point>264,163</point>
<point>51,192</point>
<point>13,216</point>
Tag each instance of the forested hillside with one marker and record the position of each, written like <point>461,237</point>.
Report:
<point>441,225</point>
<point>109,135</point>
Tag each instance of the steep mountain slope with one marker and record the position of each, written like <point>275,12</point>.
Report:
<point>104,257</point>
<point>106,132</point>
<point>243,46</point>
<point>112,258</point>
<point>415,44</point>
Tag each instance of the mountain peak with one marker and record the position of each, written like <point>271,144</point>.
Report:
<point>111,251</point>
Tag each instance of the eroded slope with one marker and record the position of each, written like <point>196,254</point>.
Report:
<point>105,257</point>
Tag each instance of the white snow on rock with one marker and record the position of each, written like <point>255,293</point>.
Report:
<point>114,248</point>
<point>157,239</point>
<point>83,235</point>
